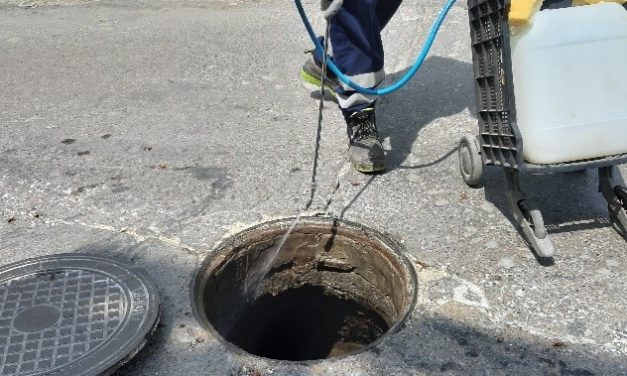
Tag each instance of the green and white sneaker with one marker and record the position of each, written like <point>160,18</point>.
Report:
<point>311,74</point>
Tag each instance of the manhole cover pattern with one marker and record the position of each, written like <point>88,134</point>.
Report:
<point>91,306</point>
<point>73,315</point>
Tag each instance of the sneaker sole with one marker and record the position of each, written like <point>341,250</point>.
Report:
<point>313,83</point>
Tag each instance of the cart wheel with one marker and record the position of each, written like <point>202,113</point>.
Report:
<point>470,164</point>
<point>621,193</point>
<point>618,227</point>
<point>534,217</point>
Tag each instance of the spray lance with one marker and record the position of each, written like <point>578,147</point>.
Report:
<point>330,9</point>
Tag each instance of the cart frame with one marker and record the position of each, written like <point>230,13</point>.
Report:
<point>500,143</point>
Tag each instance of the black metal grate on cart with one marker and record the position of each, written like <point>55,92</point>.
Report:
<point>72,315</point>
<point>489,33</point>
<point>500,141</point>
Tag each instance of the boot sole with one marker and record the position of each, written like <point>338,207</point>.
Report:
<point>368,169</point>
<point>313,83</point>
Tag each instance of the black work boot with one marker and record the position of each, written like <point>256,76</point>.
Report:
<point>365,151</point>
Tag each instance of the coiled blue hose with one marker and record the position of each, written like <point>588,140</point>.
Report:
<point>400,83</point>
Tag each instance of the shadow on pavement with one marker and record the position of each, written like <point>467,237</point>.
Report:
<point>173,282</point>
<point>443,87</point>
<point>438,345</point>
<point>568,201</point>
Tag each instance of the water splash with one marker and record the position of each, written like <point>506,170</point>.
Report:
<point>253,282</point>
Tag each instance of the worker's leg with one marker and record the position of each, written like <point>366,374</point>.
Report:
<point>358,52</point>
<point>357,47</point>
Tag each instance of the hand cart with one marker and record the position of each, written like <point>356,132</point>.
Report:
<point>500,143</point>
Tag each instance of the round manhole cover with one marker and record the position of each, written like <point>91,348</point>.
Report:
<point>73,314</point>
<point>335,288</point>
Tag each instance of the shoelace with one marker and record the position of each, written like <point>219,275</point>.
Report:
<point>363,127</point>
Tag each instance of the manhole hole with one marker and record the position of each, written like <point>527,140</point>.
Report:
<point>336,288</point>
<point>73,314</point>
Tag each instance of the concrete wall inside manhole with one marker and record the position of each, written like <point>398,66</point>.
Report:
<point>334,289</point>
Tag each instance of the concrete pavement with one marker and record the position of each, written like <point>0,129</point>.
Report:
<point>151,130</point>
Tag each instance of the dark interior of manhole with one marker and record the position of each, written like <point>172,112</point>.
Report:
<point>334,289</point>
<point>305,323</point>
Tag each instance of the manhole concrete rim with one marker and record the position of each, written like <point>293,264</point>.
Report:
<point>225,246</point>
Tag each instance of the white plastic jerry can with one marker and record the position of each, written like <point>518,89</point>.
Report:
<point>570,83</point>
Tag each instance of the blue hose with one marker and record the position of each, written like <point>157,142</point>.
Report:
<point>400,83</point>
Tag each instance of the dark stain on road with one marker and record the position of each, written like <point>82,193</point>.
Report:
<point>204,173</point>
<point>118,188</point>
<point>83,188</point>
<point>220,183</point>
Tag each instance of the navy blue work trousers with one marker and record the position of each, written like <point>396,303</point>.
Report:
<point>357,49</point>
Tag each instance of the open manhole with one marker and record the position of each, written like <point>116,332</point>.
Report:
<point>335,288</point>
<point>73,314</point>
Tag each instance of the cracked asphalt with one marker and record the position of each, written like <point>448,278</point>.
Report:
<point>150,130</point>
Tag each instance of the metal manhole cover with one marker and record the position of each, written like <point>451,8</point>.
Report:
<point>73,314</point>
